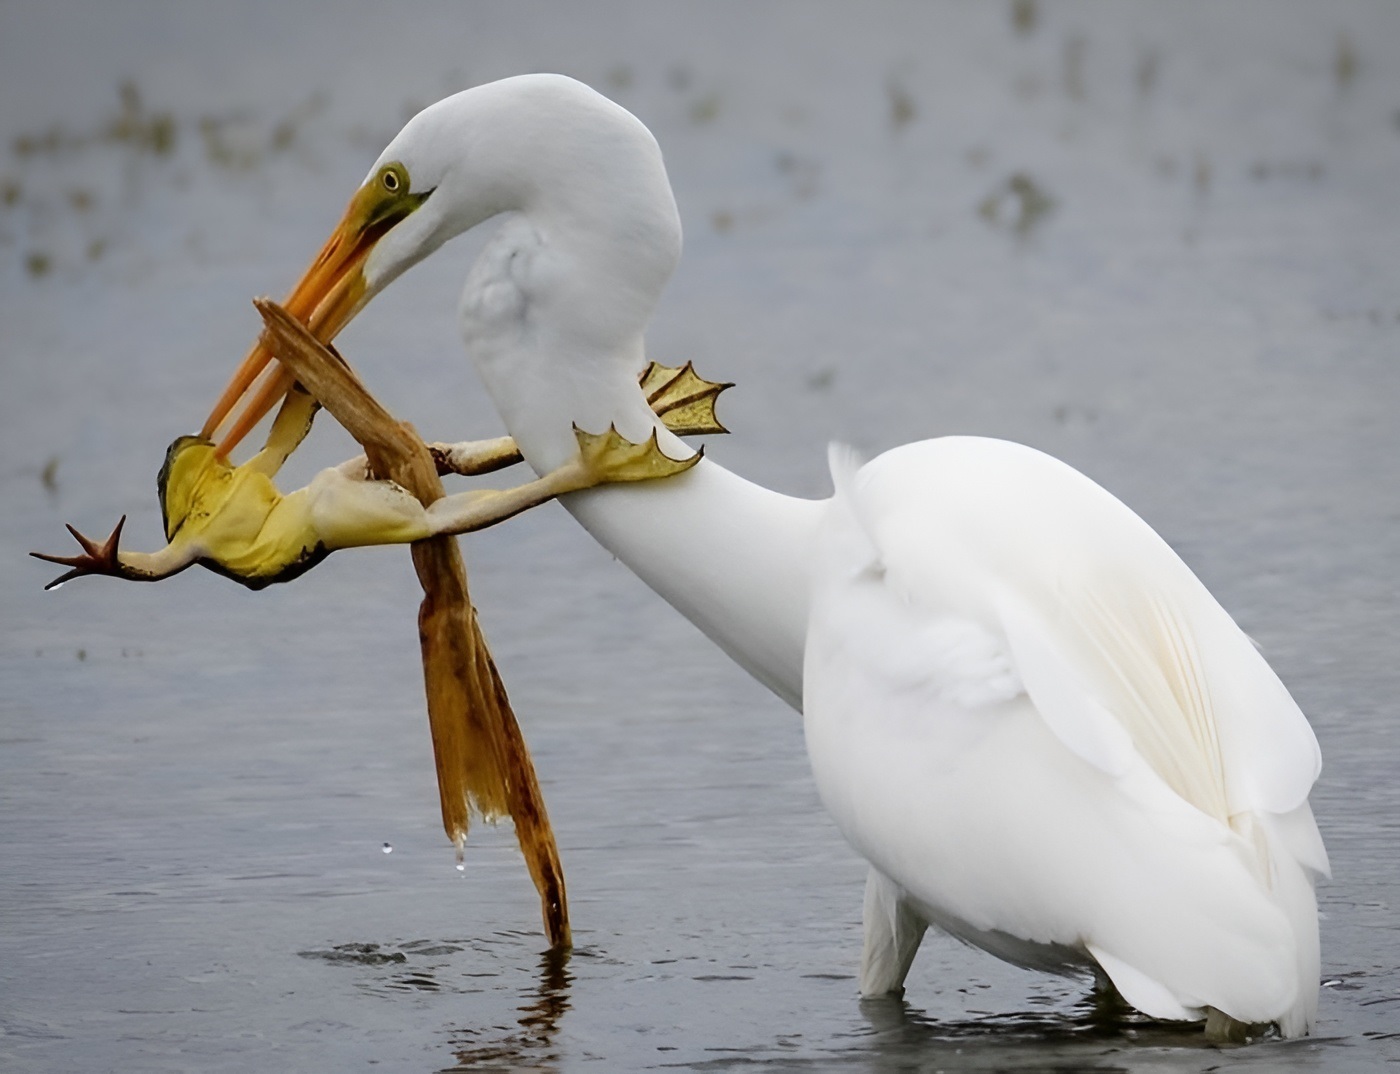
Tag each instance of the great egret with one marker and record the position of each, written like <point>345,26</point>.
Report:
<point>1021,707</point>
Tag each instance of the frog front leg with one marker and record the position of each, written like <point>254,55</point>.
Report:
<point>288,430</point>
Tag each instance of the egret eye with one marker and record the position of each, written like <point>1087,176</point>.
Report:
<point>391,180</point>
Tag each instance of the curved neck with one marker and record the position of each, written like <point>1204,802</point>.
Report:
<point>553,314</point>
<point>724,552</point>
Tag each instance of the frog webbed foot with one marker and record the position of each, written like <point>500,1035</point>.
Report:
<point>682,399</point>
<point>95,558</point>
<point>609,457</point>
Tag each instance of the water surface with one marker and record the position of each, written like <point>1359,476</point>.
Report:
<point>1160,242</point>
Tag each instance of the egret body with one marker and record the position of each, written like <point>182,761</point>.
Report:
<point>1021,707</point>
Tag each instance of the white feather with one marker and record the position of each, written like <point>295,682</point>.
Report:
<point>1021,707</point>
<point>1103,814</point>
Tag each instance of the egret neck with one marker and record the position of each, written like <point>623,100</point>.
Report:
<point>553,314</point>
<point>724,552</point>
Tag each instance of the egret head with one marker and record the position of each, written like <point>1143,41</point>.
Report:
<point>333,289</point>
<point>585,169</point>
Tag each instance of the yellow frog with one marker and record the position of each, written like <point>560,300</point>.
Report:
<point>235,521</point>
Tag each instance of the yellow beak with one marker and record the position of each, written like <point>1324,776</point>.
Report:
<point>327,297</point>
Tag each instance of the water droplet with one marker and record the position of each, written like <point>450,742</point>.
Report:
<point>388,849</point>
<point>461,868</point>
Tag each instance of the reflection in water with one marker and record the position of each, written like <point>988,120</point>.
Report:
<point>531,1046</point>
<point>359,954</point>
<point>1095,1035</point>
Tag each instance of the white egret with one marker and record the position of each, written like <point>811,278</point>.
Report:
<point>1021,707</point>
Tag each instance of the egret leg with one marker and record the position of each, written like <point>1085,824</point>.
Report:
<point>893,932</point>
<point>1108,1007</point>
<point>1223,1029</point>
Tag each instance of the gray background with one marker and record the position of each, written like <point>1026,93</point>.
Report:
<point>1158,241</point>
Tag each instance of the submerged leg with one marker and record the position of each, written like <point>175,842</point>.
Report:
<point>893,932</point>
<point>1107,1007</point>
<point>1223,1029</point>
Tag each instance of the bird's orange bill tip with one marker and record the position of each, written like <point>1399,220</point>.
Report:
<point>326,298</point>
<point>264,391</point>
<point>243,377</point>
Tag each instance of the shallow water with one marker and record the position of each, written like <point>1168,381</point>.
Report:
<point>1160,242</point>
